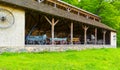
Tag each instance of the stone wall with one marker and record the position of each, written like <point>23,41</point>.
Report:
<point>52,48</point>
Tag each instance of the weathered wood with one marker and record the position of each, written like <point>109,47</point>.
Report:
<point>56,22</point>
<point>75,39</point>
<point>53,20</point>
<point>48,20</point>
<point>55,5</point>
<point>85,33</point>
<point>87,17</point>
<point>104,33</point>
<point>78,13</point>
<point>71,33</point>
<point>52,31</point>
<point>95,35</point>
<point>53,23</point>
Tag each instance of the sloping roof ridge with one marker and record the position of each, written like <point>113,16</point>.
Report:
<point>78,8</point>
<point>54,11</point>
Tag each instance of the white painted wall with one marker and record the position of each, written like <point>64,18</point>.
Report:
<point>14,36</point>
<point>113,39</point>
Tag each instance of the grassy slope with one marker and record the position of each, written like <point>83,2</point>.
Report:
<point>102,59</point>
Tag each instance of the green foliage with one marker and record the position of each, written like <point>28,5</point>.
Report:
<point>95,59</point>
<point>108,10</point>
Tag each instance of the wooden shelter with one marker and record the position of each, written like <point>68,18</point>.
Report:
<point>54,22</point>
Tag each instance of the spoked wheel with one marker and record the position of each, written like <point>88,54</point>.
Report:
<point>6,18</point>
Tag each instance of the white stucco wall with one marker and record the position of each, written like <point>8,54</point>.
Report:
<point>13,36</point>
<point>113,39</point>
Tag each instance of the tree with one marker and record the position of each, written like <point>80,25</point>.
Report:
<point>108,10</point>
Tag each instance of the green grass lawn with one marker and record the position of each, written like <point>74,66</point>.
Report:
<point>94,59</point>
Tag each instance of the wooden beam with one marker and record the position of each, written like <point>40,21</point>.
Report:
<point>48,20</point>
<point>52,28</point>
<point>71,33</point>
<point>104,33</point>
<point>53,23</point>
<point>85,33</point>
<point>56,22</point>
<point>78,13</point>
<point>53,20</point>
<point>55,5</point>
<point>95,35</point>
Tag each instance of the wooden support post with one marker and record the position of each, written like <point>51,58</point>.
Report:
<point>78,13</point>
<point>104,33</point>
<point>85,34</point>
<point>71,33</point>
<point>55,5</point>
<point>94,19</point>
<point>87,16</point>
<point>52,28</point>
<point>95,35</point>
<point>53,23</point>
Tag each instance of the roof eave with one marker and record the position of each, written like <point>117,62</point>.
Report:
<point>54,11</point>
<point>78,8</point>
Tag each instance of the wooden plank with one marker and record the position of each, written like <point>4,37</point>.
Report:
<point>75,39</point>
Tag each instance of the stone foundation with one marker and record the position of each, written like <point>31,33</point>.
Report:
<point>42,48</point>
